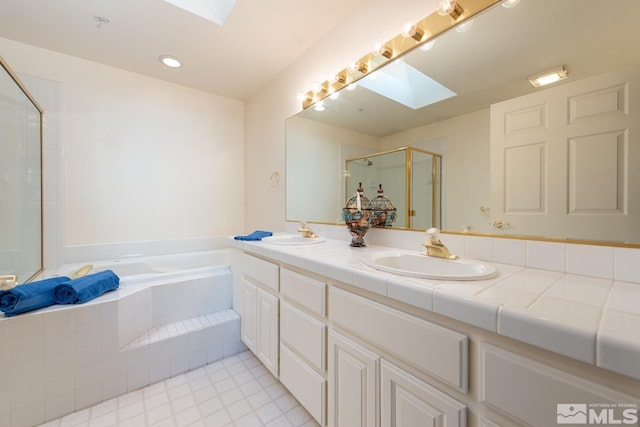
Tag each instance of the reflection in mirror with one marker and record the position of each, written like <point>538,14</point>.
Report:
<point>411,179</point>
<point>520,160</point>
<point>20,182</point>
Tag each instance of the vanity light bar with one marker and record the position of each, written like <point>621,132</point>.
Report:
<point>423,32</point>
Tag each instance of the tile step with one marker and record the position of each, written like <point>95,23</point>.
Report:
<point>182,327</point>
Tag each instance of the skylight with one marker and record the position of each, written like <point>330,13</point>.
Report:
<point>213,10</point>
<point>406,85</point>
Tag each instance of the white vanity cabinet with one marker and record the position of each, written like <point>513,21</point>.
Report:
<point>248,324</point>
<point>259,329</point>
<point>537,394</point>
<point>353,381</point>
<point>303,341</point>
<point>357,374</point>
<point>354,358</point>
<point>406,401</point>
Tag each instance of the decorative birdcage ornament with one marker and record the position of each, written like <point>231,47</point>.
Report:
<point>357,217</point>
<point>382,210</point>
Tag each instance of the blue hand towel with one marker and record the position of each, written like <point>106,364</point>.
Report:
<point>86,288</point>
<point>256,235</point>
<point>29,296</point>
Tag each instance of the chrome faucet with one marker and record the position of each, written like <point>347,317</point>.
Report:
<point>306,231</point>
<point>435,247</point>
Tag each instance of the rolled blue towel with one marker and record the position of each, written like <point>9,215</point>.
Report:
<point>256,235</point>
<point>86,288</point>
<point>30,296</point>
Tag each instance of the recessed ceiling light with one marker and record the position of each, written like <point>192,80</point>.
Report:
<point>170,61</point>
<point>549,76</point>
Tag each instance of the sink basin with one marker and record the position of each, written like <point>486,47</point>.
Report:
<point>426,267</point>
<point>292,240</point>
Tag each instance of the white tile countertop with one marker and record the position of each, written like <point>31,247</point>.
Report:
<point>595,320</point>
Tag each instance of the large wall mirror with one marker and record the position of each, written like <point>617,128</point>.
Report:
<point>554,162</point>
<point>20,181</point>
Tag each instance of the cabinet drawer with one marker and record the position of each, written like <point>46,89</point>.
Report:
<point>429,347</point>
<point>304,383</point>
<point>540,395</point>
<point>303,334</point>
<point>261,271</point>
<point>308,292</point>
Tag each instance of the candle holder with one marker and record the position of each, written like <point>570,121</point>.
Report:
<point>357,216</point>
<point>383,213</point>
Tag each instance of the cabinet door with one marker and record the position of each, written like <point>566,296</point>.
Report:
<point>267,330</point>
<point>248,320</point>
<point>406,401</point>
<point>305,384</point>
<point>352,383</point>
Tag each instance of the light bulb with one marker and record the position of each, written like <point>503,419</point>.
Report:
<point>451,8</point>
<point>465,26</point>
<point>510,3</point>
<point>359,67</point>
<point>427,45</point>
<point>413,31</point>
<point>383,50</point>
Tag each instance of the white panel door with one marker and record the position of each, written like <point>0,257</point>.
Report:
<point>406,401</point>
<point>248,320</point>
<point>563,160</point>
<point>267,330</point>
<point>352,383</point>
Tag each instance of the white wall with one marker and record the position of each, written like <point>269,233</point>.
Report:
<point>142,159</point>
<point>265,114</point>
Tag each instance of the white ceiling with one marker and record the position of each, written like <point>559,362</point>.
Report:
<point>258,40</point>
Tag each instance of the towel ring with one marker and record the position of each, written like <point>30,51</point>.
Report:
<point>275,178</point>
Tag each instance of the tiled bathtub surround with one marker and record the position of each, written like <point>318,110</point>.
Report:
<point>66,358</point>
<point>574,299</point>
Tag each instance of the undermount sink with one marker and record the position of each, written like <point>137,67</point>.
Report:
<point>426,267</point>
<point>292,240</point>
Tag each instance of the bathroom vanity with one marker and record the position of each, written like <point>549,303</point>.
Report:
<point>362,347</point>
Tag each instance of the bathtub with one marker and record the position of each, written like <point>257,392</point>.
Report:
<point>146,269</point>
<point>171,314</point>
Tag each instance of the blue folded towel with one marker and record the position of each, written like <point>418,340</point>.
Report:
<point>29,296</point>
<point>86,288</point>
<point>256,235</point>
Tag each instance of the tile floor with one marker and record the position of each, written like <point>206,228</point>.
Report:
<point>234,392</point>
